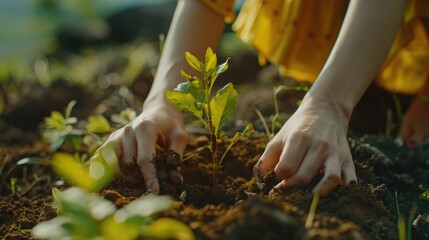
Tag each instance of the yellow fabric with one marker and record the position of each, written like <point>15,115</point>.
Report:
<point>222,7</point>
<point>298,35</point>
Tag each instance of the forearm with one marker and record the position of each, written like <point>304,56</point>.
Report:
<point>194,28</point>
<point>363,43</point>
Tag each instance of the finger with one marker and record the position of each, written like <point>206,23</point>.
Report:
<point>267,161</point>
<point>178,142</point>
<point>418,137</point>
<point>291,157</point>
<point>146,146</point>
<point>348,171</point>
<point>332,177</point>
<point>309,167</point>
<point>405,131</point>
<point>129,146</point>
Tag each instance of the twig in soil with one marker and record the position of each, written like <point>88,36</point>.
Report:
<point>312,211</point>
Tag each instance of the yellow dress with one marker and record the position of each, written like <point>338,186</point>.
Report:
<point>298,35</point>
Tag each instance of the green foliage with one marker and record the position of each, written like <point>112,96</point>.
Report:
<point>94,175</point>
<point>89,216</point>
<point>275,123</point>
<point>64,129</point>
<point>425,193</point>
<point>194,96</point>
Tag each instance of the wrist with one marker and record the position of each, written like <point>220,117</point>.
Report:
<point>327,106</point>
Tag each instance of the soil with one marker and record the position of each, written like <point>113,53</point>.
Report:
<point>236,209</point>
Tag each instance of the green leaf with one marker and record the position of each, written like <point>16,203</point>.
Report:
<point>223,105</point>
<point>186,76</point>
<point>211,65</point>
<point>145,207</point>
<point>69,108</point>
<point>215,73</point>
<point>75,204</point>
<point>98,124</point>
<point>184,102</point>
<point>194,62</point>
<point>208,56</point>
<point>113,230</point>
<point>99,172</point>
<point>52,229</point>
<point>32,160</point>
<point>168,228</point>
<point>55,121</point>
<point>222,68</point>
<point>124,117</point>
<point>248,130</point>
<point>56,193</point>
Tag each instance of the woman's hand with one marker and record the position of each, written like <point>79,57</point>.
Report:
<point>159,123</point>
<point>313,139</point>
<point>415,127</point>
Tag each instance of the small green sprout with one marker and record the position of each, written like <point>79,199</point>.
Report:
<point>195,96</point>
<point>88,216</point>
<point>94,175</point>
<point>124,117</point>
<point>275,123</point>
<point>425,192</point>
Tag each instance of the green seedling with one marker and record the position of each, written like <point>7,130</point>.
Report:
<point>88,216</point>
<point>312,211</point>
<point>22,162</point>
<point>275,123</point>
<point>93,175</point>
<point>425,193</point>
<point>124,117</point>
<point>59,128</point>
<point>195,96</point>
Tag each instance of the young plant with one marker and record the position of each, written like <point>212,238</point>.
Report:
<point>275,123</point>
<point>195,96</point>
<point>88,216</point>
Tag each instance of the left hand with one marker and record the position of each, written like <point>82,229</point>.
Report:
<point>313,139</point>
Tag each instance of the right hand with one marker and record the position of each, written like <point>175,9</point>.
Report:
<point>159,123</point>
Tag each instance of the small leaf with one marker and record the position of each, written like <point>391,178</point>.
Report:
<point>211,65</point>
<point>98,124</point>
<point>56,193</point>
<point>124,117</point>
<point>55,121</point>
<point>194,62</point>
<point>32,160</point>
<point>145,206</point>
<point>248,130</point>
<point>168,228</point>
<point>73,171</point>
<point>208,56</point>
<point>184,102</point>
<point>51,229</point>
<point>222,68</point>
<point>186,76</point>
<point>223,105</point>
<point>113,230</point>
<point>69,108</point>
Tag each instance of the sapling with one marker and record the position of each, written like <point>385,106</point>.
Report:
<point>82,215</point>
<point>195,96</point>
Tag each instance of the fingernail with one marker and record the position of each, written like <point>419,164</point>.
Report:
<point>352,182</point>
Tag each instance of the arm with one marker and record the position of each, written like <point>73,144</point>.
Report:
<point>193,28</point>
<point>315,137</point>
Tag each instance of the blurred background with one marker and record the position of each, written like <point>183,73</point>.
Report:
<point>101,53</point>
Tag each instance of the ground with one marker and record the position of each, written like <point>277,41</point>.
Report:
<point>389,174</point>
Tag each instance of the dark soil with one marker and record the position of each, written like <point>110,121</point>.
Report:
<point>236,208</point>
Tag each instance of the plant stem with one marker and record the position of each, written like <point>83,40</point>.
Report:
<point>213,137</point>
